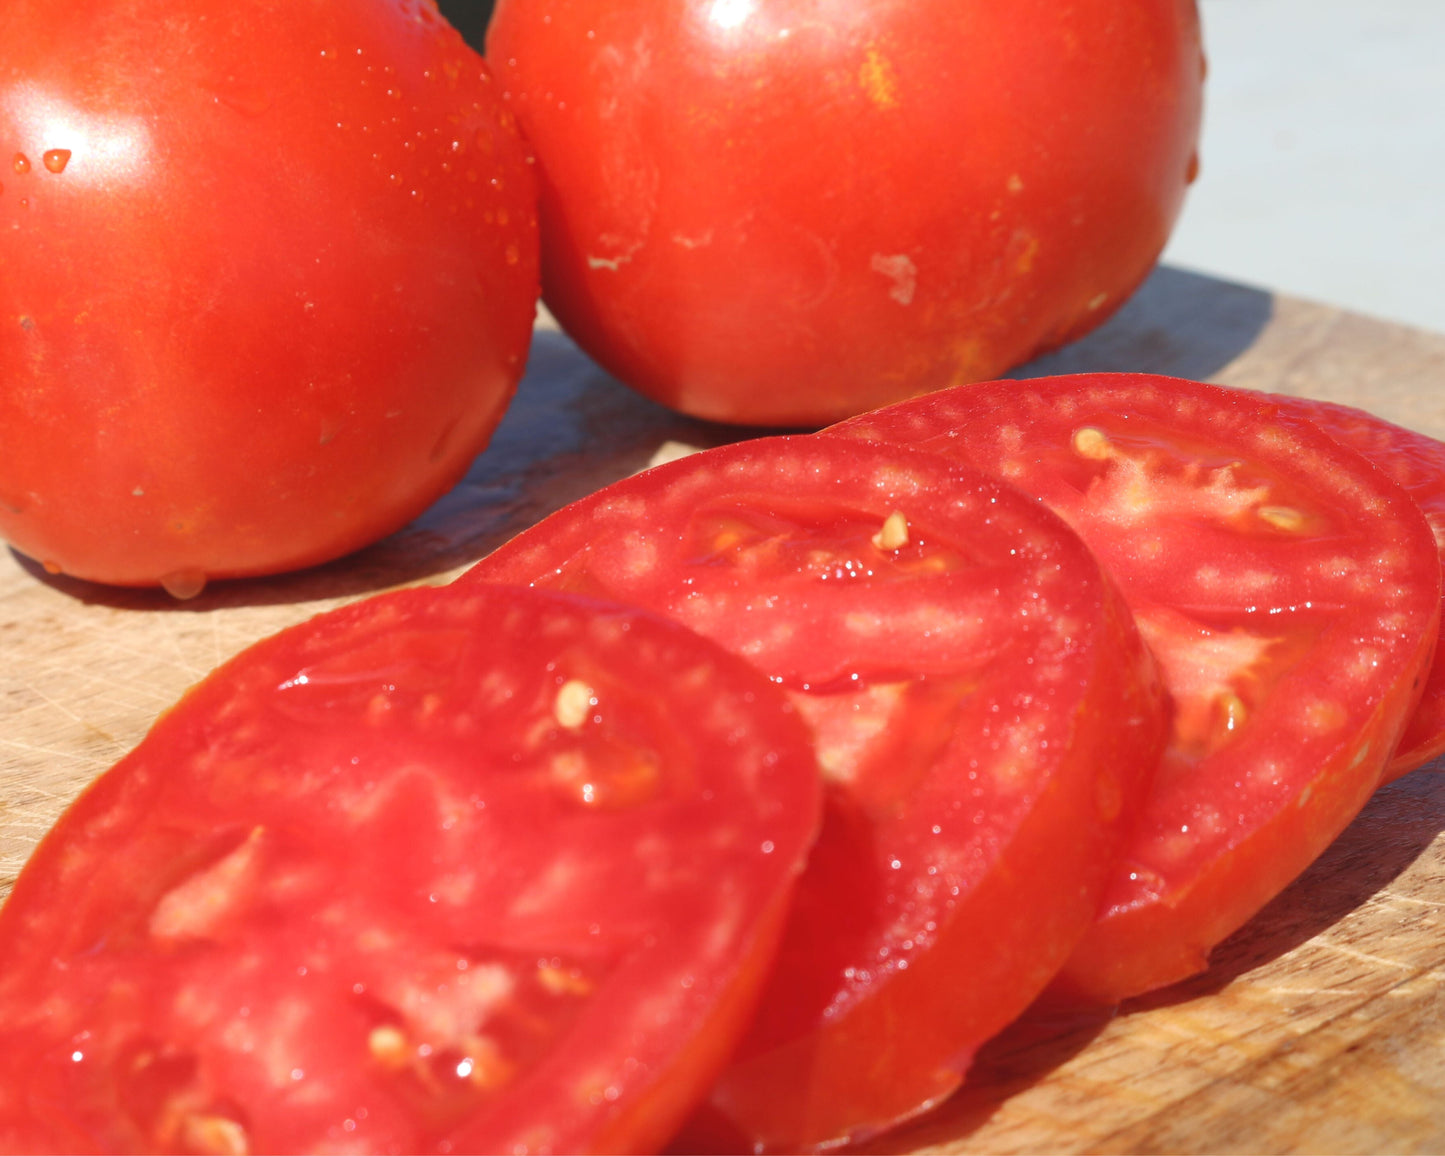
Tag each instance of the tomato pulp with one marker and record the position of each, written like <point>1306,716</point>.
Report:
<point>985,716</point>
<point>459,870</point>
<point>1290,591</point>
<point>1417,463</point>
<point>780,212</point>
<point>267,279</point>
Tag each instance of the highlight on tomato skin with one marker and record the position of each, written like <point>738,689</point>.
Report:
<point>445,870</point>
<point>781,213</point>
<point>985,715</point>
<point>1290,592</point>
<point>270,273</point>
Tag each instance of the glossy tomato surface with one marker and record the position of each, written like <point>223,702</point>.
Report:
<point>1291,593</point>
<point>480,871</point>
<point>267,276</point>
<point>984,714</point>
<point>788,211</point>
<point>1417,463</point>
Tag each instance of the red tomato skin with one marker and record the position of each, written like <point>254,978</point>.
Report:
<point>784,213</point>
<point>1265,802</point>
<point>267,275</point>
<point>885,983</point>
<point>1417,463</point>
<point>359,773</point>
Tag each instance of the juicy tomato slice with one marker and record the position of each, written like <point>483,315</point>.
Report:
<point>1417,463</point>
<point>985,714</point>
<point>461,870</point>
<point>1290,592</point>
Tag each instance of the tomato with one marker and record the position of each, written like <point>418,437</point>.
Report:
<point>783,212</point>
<point>985,716</point>
<point>267,279</point>
<point>1417,463</point>
<point>448,870</point>
<point>1290,592</point>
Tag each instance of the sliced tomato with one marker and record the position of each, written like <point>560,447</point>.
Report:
<point>1417,463</point>
<point>1290,591</point>
<point>985,717</point>
<point>464,870</point>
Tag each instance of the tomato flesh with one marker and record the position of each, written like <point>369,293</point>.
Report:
<point>985,717</point>
<point>1290,592</point>
<point>1417,463</point>
<point>786,212</point>
<point>471,870</point>
<point>267,273</point>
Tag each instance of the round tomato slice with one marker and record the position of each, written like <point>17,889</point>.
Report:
<point>1417,463</point>
<point>1290,592</point>
<point>462,870</point>
<point>985,718</point>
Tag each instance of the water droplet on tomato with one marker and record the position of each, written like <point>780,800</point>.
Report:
<point>22,163</point>
<point>56,159</point>
<point>184,584</point>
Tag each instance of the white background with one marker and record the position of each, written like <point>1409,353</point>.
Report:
<point>1323,157</point>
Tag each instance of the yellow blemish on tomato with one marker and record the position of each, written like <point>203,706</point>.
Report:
<point>564,980</point>
<point>573,704</point>
<point>1015,183</point>
<point>878,80</point>
<point>1282,517</point>
<point>1323,716</point>
<point>1232,710</point>
<point>484,1065</point>
<point>389,1047</point>
<point>214,1135</point>
<point>1096,302</point>
<point>894,534</point>
<point>1093,444</point>
<point>1024,262</point>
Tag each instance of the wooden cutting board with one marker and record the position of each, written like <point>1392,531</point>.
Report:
<point>1321,1025</point>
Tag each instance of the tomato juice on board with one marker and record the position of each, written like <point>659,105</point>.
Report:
<point>1290,591</point>
<point>445,870</point>
<point>986,719</point>
<point>268,273</point>
<point>784,212</point>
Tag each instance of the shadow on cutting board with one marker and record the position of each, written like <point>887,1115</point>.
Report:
<point>573,428</point>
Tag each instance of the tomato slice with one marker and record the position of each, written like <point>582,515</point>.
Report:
<point>461,870</point>
<point>1417,463</point>
<point>1290,591</point>
<point>985,716</point>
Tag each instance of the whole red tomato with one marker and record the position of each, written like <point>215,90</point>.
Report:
<point>267,277</point>
<point>788,211</point>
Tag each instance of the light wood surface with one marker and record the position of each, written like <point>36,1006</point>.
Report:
<point>1321,1026</point>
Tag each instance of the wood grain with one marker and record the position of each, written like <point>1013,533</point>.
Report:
<point>1321,1025</point>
